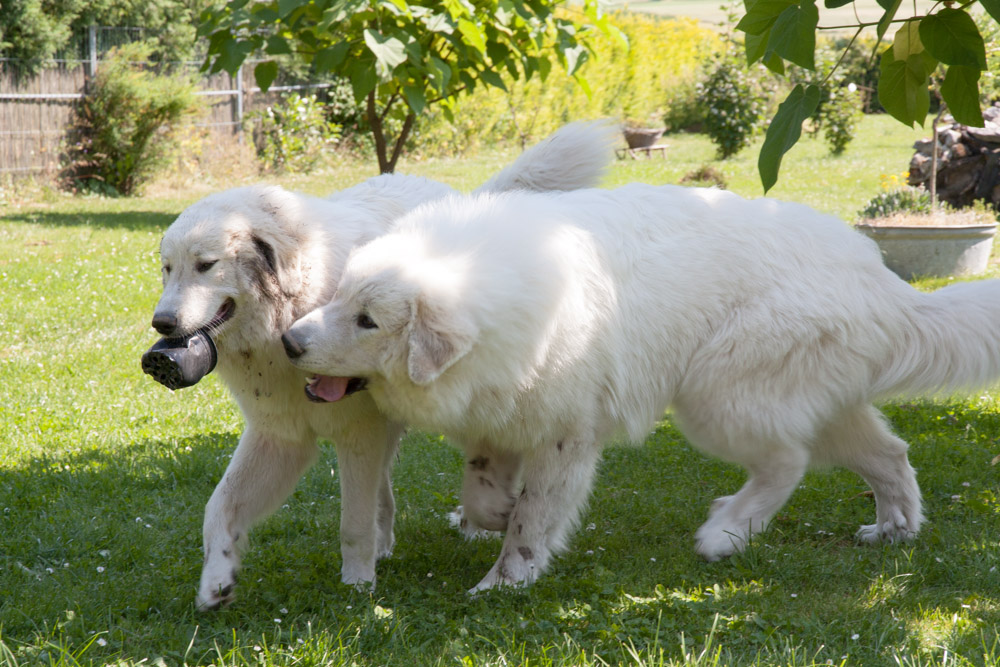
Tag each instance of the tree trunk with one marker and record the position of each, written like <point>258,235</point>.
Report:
<point>387,163</point>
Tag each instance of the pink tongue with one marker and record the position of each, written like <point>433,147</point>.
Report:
<point>328,388</point>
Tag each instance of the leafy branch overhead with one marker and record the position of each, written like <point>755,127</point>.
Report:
<point>785,30</point>
<point>403,56</point>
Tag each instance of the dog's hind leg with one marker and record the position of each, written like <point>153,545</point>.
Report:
<point>734,519</point>
<point>261,474</point>
<point>365,458</point>
<point>861,440</point>
<point>557,481</point>
<point>489,490</point>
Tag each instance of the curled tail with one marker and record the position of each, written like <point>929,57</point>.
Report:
<point>952,345</point>
<point>575,156</point>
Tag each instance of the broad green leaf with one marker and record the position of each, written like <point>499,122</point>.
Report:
<point>277,45</point>
<point>363,79</point>
<point>960,90</point>
<point>887,4</point>
<point>761,15</point>
<point>784,130</point>
<point>472,34</point>
<point>774,63</point>
<point>286,7</point>
<point>575,57</point>
<point>907,41</point>
<point>902,87</point>
<point>328,59</point>
<point>388,51</point>
<point>992,8</point>
<point>438,23</point>
<point>833,4</point>
<point>265,74</point>
<point>952,37</point>
<point>440,73</point>
<point>493,79</point>
<point>232,53</point>
<point>793,36</point>
<point>756,46</point>
<point>415,98</point>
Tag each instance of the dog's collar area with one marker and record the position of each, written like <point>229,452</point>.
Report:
<point>326,389</point>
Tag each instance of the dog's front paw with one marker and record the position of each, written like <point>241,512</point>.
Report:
<point>894,527</point>
<point>468,528</point>
<point>216,590</point>
<point>714,542</point>
<point>515,568</point>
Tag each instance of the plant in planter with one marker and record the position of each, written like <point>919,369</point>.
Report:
<point>918,238</point>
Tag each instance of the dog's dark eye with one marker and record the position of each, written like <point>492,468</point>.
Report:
<point>166,268</point>
<point>202,267</point>
<point>365,322</point>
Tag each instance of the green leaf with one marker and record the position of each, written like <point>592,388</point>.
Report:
<point>472,34</point>
<point>784,130</point>
<point>232,53</point>
<point>774,63</point>
<point>286,7</point>
<point>575,57</point>
<point>952,37</point>
<point>441,73</point>
<point>992,8</point>
<point>388,51</point>
<point>493,79</point>
<point>761,15</point>
<point>415,98</point>
<point>328,59</point>
<point>363,79</point>
<point>277,46</point>
<point>906,41</point>
<point>793,36</point>
<point>756,46</point>
<point>902,87</point>
<point>833,4</point>
<point>960,90</point>
<point>265,74</point>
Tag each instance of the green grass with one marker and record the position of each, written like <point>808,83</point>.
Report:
<point>104,476</point>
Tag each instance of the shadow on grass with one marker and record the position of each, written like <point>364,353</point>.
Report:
<point>107,542</point>
<point>125,220</point>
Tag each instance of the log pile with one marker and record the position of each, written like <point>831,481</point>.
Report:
<point>968,162</point>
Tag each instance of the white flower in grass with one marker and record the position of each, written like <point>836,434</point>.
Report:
<point>591,526</point>
<point>283,610</point>
<point>795,595</point>
<point>100,568</point>
<point>101,641</point>
<point>855,636</point>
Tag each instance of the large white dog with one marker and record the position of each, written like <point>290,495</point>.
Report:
<point>246,263</point>
<point>547,324</point>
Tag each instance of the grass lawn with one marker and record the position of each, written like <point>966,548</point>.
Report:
<point>104,475</point>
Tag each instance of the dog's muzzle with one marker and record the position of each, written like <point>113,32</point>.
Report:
<point>181,362</point>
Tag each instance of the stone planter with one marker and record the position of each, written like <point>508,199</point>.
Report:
<point>933,251</point>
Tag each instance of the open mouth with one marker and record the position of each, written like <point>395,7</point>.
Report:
<point>326,389</point>
<point>224,313</point>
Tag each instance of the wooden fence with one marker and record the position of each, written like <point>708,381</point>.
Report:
<point>36,112</point>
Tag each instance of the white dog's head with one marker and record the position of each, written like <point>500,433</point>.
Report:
<point>231,263</point>
<point>394,317</point>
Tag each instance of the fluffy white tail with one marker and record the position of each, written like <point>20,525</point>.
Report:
<point>575,156</point>
<point>954,344</point>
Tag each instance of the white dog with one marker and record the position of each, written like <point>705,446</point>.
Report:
<point>246,263</point>
<point>547,324</point>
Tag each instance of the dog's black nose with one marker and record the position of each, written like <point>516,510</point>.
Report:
<point>164,324</point>
<point>292,347</point>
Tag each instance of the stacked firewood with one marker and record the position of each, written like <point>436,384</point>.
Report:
<point>968,161</point>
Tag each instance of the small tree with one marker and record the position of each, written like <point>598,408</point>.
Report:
<point>122,128</point>
<point>401,56</point>
<point>785,30</point>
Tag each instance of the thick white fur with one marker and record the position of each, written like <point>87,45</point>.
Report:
<point>548,324</point>
<point>277,256</point>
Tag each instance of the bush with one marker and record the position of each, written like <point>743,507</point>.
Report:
<point>734,104</point>
<point>838,118</point>
<point>295,135</point>
<point>123,128</point>
<point>896,199</point>
<point>637,85</point>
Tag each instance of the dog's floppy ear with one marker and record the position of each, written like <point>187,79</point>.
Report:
<point>275,246</point>
<point>438,338</point>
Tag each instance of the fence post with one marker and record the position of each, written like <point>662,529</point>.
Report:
<point>239,103</point>
<point>92,48</point>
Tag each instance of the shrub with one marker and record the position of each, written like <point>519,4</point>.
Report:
<point>634,84</point>
<point>294,135</point>
<point>895,199</point>
<point>734,104</point>
<point>123,128</point>
<point>839,118</point>
<point>704,176</point>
